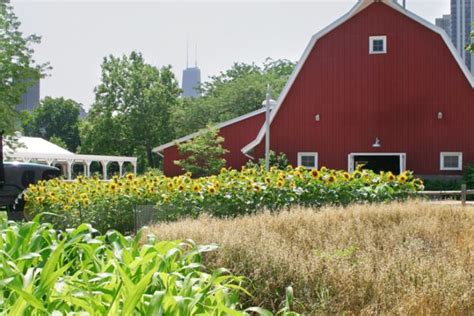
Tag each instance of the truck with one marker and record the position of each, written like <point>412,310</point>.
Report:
<point>15,178</point>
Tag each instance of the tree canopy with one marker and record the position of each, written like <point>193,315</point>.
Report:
<point>234,92</point>
<point>18,69</point>
<point>132,109</point>
<point>55,119</point>
<point>202,155</point>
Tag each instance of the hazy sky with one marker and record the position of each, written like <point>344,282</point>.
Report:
<point>76,35</point>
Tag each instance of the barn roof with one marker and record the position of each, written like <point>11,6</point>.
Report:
<point>360,6</point>
<point>160,148</point>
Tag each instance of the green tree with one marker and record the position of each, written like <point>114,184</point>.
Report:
<point>203,155</point>
<point>55,117</point>
<point>58,141</point>
<point>234,92</point>
<point>132,109</point>
<point>18,70</point>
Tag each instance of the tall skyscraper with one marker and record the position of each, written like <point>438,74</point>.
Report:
<point>30,99</point>
<point>462,16</point>
<point>191,78</point>
<point>191,82</point>
<point>444,22</point>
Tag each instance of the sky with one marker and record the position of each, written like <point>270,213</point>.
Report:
<point>76,35</point>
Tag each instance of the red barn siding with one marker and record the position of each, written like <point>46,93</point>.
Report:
<point>394,96</point>
<point>236,136</point>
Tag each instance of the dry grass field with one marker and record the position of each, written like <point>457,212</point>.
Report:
<point>403,258</point>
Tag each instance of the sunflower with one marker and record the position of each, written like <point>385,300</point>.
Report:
<point>315,173</point>
<point>196,188</point>
<point>280,183</point>
<point>170,185</point>
<point>256,187</point>
<point>357,174</point>
<point>323,169</point>
<point>346,176</point>
<point>390,176</point>
<point>40,199</point>
<point>113,186</point>
<point>181,187</point>
<point>402,178</point>
<point>418,183</point>
<point>130,176</point>
<point>268,180</point>
<point>331,179</point>
<point>211,190</point>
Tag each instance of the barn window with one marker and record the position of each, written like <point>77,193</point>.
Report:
<point>308,160</point>
<point>451,161</point>
<point>378,44</point>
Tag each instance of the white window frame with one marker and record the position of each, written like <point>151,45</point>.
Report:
<point>403,159</point>
<point>446,153</point>
<point>377,38</point>
<point>314,154</point>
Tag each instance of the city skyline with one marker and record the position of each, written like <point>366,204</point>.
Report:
<point>225,32</point>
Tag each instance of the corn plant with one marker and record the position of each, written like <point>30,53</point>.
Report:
<point>48,272</point>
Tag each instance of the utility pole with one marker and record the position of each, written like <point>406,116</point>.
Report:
<point>267,129</point>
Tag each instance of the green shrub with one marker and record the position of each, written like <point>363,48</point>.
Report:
<point>442,184</point>
<point>468,177</point>
<point>279,161</point>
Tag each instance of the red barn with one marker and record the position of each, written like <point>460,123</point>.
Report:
<point>237,133</point>
<point>380,86</point>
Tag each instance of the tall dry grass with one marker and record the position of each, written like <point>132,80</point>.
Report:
<point>409,258</point>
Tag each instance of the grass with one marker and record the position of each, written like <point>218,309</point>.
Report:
<point>400,258</point>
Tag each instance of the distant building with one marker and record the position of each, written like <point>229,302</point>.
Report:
<point>462,16</point>
<point>82,112</point>
<point>444,22</point>
<point>30,99</point>
<point>191,82</point>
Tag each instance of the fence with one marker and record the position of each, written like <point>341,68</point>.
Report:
<point>463,194</point>
<point>146,215</point>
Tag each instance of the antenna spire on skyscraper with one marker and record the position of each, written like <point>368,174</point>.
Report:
<point>195,55</point>
<point>187,54</point>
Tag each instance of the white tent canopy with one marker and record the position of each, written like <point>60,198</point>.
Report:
<point>35,149</point>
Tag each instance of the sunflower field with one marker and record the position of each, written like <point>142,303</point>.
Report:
<point>108,205</point>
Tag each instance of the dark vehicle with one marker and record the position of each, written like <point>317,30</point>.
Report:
<point>15,179</point>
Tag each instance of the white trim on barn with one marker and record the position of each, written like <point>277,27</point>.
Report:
<point>372,49</point>
<point>361,5</point>
<point>442,165</point>
<point>350,159</point>
<point>308,154</point>
<point>160,148</point>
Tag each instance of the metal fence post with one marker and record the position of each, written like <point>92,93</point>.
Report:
<point>463,194</point>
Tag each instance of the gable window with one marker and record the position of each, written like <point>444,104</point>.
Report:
<point>308,160</point>
<point>378,44</point>
<point>451,161</point>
